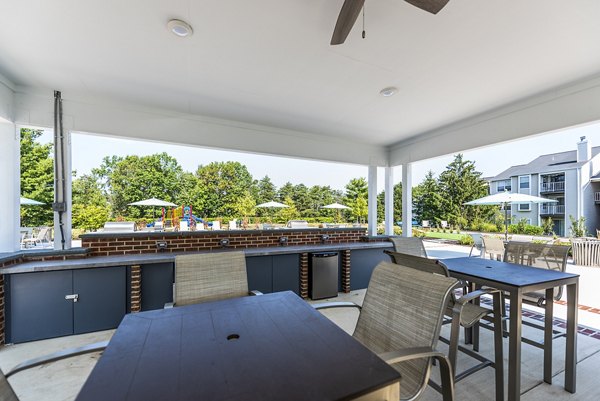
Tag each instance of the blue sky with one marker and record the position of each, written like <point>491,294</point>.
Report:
<point>88,151</point>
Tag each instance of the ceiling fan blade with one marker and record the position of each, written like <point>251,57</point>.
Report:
<point>432,6</point>
<point>348,15</point>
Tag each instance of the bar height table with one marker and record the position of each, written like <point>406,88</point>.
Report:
<point>518,280</point>
<point>269,347</point>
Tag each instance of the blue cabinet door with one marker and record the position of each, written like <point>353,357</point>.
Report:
<point>157,285</point>
<point>102,298</point>
<point>286,273</point>
<point>36,306</point>
<point>260,273</point>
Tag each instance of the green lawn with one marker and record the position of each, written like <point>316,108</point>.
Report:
<point>430,234</point>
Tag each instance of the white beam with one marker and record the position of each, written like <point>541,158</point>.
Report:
<point>119,119</point>
<point>389,201</point>
<point>9,187</point>
<point>563,107</point>
<point>372,206</point>
<point>407,200</point>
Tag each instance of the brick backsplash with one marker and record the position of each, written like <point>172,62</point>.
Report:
<point>122,244</point>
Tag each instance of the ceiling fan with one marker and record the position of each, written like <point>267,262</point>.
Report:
<point>351,9</point>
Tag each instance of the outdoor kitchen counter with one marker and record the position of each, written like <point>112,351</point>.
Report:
<point>166,257</point>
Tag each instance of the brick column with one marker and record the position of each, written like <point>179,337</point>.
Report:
<point>304,275</point>
<point>2,337</point>
<point>136,288</point>
<point>346,271</point>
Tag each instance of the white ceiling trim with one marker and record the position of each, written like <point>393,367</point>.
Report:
<point>115,118</point>
<point>6,99</point>
<point>562,107</point>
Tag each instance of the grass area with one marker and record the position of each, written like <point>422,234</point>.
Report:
<point>431,234</point>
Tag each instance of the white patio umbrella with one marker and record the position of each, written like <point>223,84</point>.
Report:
<point>272,204</point>
<point>153,202</point>
<point>337,206</point>
<point>27,202</point>
<point>504,198</point>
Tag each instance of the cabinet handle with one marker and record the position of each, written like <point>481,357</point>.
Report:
<point>74,297</point>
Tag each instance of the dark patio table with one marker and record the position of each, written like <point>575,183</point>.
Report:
<point>518,280</point>
<point>269,347</point>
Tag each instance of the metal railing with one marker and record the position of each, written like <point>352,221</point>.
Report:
<point>548,208</point>
<point>597,197</point>
<point>552,186</point>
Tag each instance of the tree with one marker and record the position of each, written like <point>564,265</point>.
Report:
<point>37,179</point>
<point>357,187</point>
<point>360,209</point>
<point>246,207</point>
<point>288,213</point>
<point>427,200</point>
<point>220,186</point>
<point>460,183</point>
<point>134,178</point>
<point>286,191</point>
<point>265,190</point>
<point>90,206</point>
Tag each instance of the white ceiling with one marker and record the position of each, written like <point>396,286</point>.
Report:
<point>269,62</point>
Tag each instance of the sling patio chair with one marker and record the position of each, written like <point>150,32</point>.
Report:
<point>6,391</point>
<point>210,276</point>
<point>493,247</point>
<point>477,244</point>
<point>542,256</point>
<point>466,314</point>
<point>400,320</point>
<point>409,245</point>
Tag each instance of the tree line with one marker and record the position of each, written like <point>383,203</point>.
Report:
<point>227,190</point>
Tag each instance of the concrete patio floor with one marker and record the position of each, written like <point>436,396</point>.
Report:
<point>61,381</point>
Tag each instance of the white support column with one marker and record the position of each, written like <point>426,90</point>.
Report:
<point>67,215</point>
<point>389,201</point>
<point>9,186</point>
<point>372,217</point>
<point>407,200</point>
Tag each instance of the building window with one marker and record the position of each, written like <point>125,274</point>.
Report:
<point>503,185</point>
<point>524,207</point>
<point>524,182</point>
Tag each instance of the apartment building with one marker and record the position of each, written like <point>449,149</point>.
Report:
<point>571,178</point>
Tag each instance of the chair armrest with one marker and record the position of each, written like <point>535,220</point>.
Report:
<point>169,305</point>
<point>99,346</point>
<point>407,354</point>
<point>329,305</point>
<point>255,292</point>
<point>475,294</point>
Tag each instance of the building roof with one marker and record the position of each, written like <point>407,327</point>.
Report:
<point>545,164</point>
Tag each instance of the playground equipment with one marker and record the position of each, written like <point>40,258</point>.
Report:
<point>187,216</point>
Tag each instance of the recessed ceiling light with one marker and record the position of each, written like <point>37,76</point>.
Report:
<point>389,91</point>
<point>180,28</point>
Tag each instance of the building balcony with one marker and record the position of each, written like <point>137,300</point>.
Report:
<point>597,197</point>
<point>552,210</point>
<point>546,187</point>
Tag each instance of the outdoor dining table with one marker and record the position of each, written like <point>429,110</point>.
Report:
<point>518,280</point>
<point>268,347</point>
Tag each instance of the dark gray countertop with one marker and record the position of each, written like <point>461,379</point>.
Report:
<point>133,259</point>
<point>201,233</point>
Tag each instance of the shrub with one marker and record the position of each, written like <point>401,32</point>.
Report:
<point>466,240</point>
<point>489,228</point>
<point>577,228</point>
